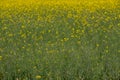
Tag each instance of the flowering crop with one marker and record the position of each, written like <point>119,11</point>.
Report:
<point>59,39</point>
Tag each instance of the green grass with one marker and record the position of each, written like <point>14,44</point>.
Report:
<point>59,44</point>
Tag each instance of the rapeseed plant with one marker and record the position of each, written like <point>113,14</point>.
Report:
<point>59,39</point>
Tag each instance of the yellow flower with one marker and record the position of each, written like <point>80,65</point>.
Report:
<point>0,57</point>
<point>38,77</point>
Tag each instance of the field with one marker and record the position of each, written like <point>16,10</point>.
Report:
<point>59,39</point>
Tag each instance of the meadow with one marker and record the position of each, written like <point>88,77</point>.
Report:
<point>59,40</point>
